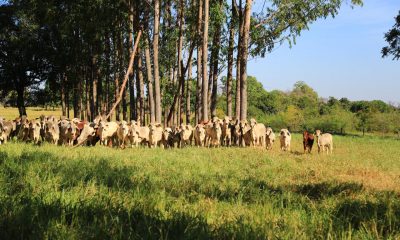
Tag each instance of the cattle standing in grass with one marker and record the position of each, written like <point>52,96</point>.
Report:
<point>169,138</point>
<point>308,141</point>
<point>226,132</point>
<point>123,133</point>
<point>324,141</point>
<point>155,134</point>
<point>87,133</point>
<point>34,131</point>
<point>52,132</point>
<point>199,135</point>
<point>269,138</point>
<point>285,138</point>
<point>245,132</point>
<point>186,135</point>
<point>141,134</point>
<point>108,133</point>
<point>213,133</point>
<point>257,133</point>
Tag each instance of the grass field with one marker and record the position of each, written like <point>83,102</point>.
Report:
<point>242,193</point>
<point>32,112</point>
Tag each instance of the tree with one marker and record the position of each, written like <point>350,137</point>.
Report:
<point>156,35</point>
<point>243,60</point>
<point>392,37</point>
<point>205,61</point>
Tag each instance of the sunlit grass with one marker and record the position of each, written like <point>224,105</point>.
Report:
<point>32,112</point>
<point>98,192</point>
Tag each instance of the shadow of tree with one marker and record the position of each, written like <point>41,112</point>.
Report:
<point>318,191</point>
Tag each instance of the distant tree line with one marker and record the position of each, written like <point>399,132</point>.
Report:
<point>302,109</point>
<point>77,54</point>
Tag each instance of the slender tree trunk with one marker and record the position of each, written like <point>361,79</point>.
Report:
<point>105,108</point>
<point>230,62</point>
<point>117,76</point>
<point>156,70</point>
<point>243,62</point>
<point>63,83</point>
<point>239,53</point>
<point>188,92</point>
<point>126,77</point>
<point>67,95</point>
<point>198,106</point>
<point>180,63</point>
<point>132,75</point>
<point>140,90</point>
<point>150,83</point>
<point>20,97</point>
<point>205,58</point>
<point>80,99</point>
<point>87,89</point>
<point>94,86</point>
<point>216,48</point>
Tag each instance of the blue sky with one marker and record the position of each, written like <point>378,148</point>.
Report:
<point>338,57</point>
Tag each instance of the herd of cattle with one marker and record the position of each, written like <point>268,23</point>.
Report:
<point>217,132</point>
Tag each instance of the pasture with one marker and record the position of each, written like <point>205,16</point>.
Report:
<point>243,193</point>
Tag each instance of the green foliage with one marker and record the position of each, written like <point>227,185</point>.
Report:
<point>392,37</point>
<point>301,108</point>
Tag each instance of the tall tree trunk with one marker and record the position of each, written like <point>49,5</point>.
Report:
<point>243,62</point>
<point>188,91</point>
<point>63,83</point>
<point>239,53</point>
<point>132,75</point>
<point>140,89</point>
<point>87,90</point>
<point>180,63</point>
<point>205,58</point>
<point>150,83</point>
<point>230,62</point>
<point>76,95</point>
<point>20,97</point>
<point>215,63</point>
<point>117,76</point>
<point>199,62</point>
<point>126,77</point>
<point>94,85</point>
<point>156,70</point>
<point>105,108</point>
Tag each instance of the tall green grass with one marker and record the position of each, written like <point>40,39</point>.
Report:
<point>244,193</point>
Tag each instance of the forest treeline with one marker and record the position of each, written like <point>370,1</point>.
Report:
<point>303,109</point>
<point>160,60</point>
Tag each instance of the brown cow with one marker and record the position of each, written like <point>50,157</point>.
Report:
<point>308,141</point>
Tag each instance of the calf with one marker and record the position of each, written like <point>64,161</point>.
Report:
<point>285,138</point>
<point>123,133</point>
<point>269,138</point>
<point>186,134</point>
<point>52,132</point>
<point>324,141</point>
<point>140,134</point>
<point>213,134</point>
<point>155,134</point>
<point>308,141</point>
<point>257,132</point>
<point>199,135</point>
<point>87,133</point>
<point>108,133</point>
<point>34,131</point>
<point>226,132</point>
<point>245,130</point>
